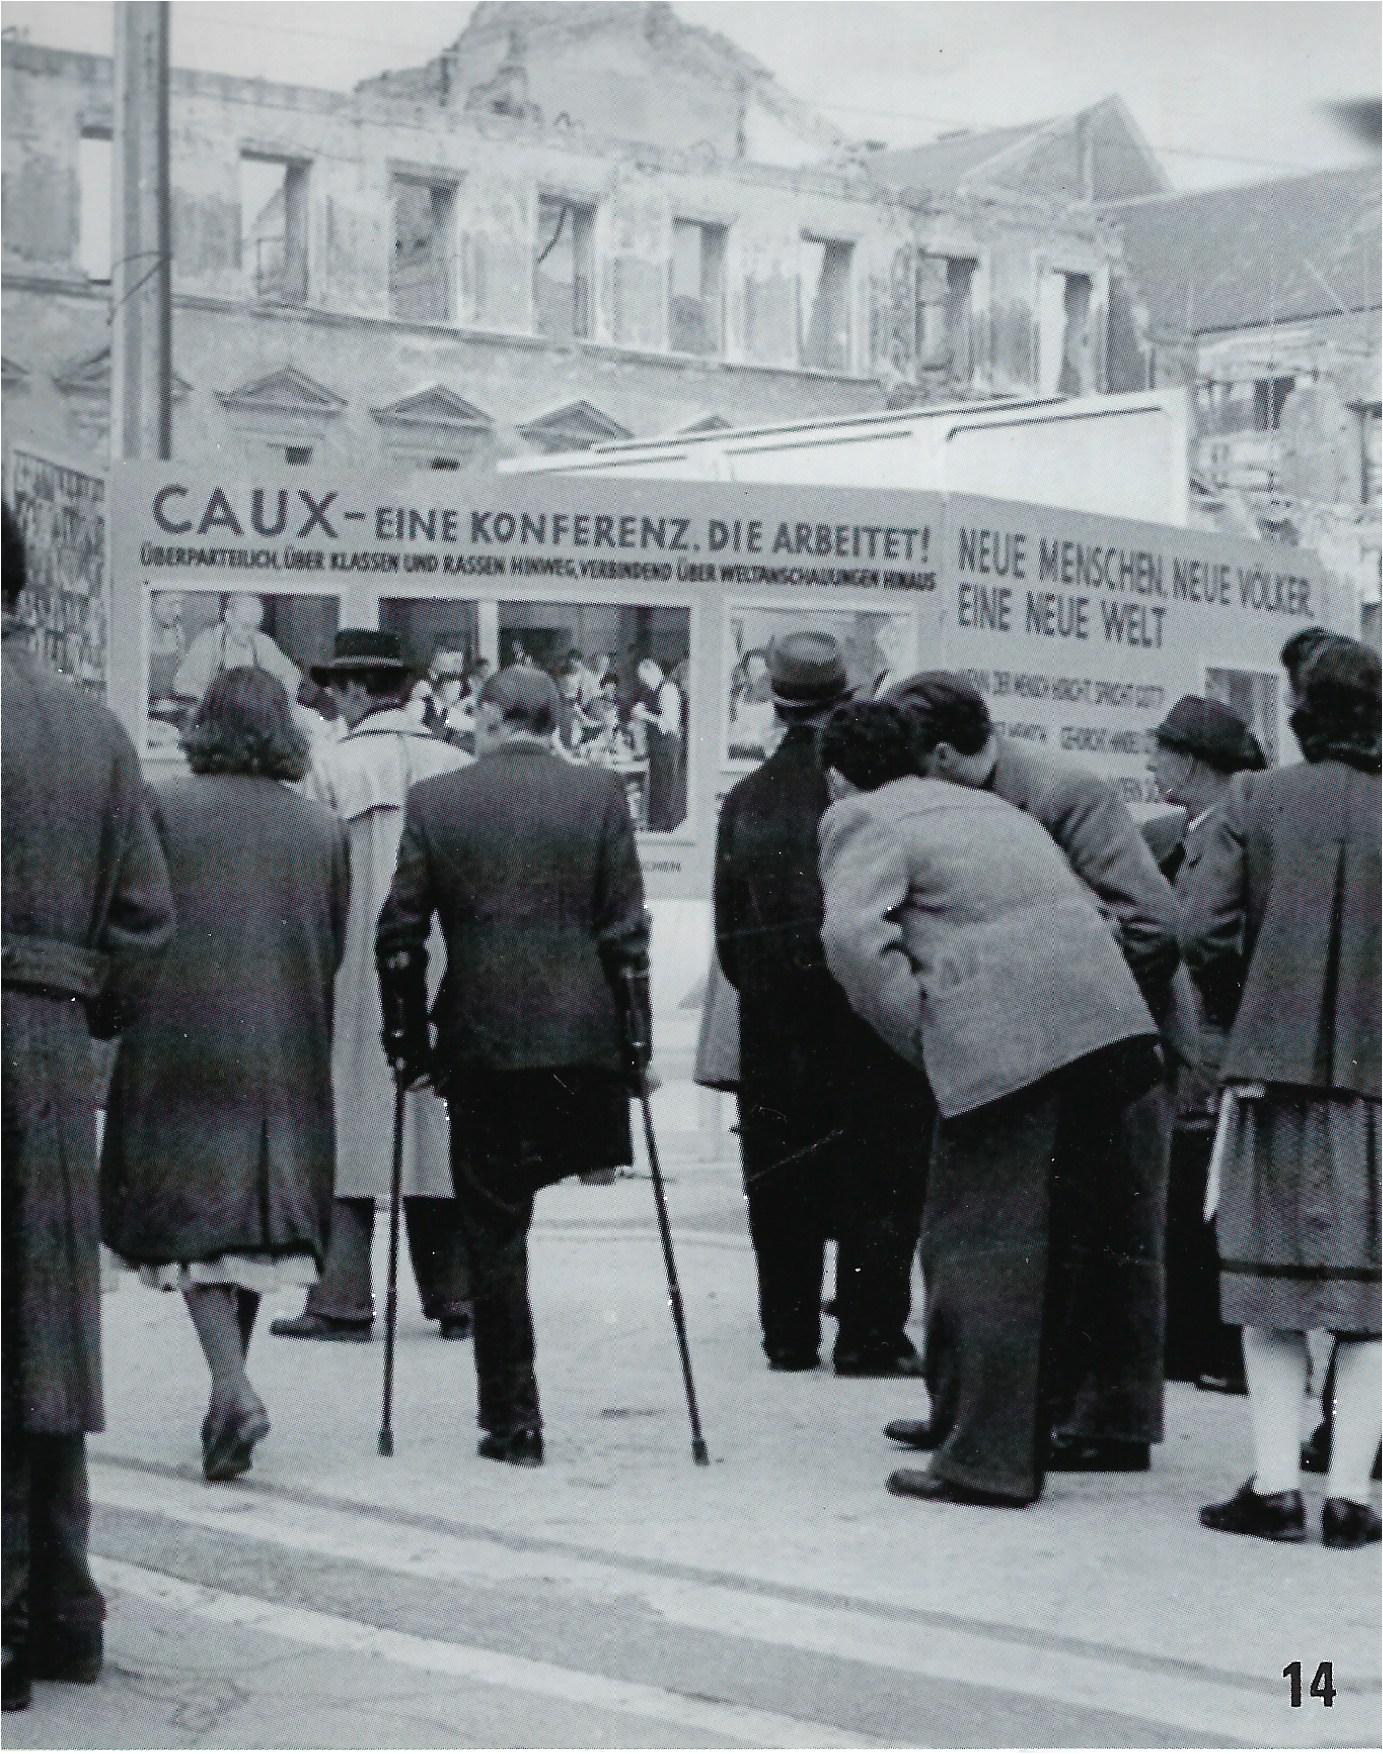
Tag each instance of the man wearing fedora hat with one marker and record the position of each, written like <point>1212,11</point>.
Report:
<point>365,779</point>
<point>832,1123</point>
<point>1197,749</point>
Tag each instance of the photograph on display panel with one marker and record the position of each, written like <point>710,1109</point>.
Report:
<point>440,642</point>
<point>623,671</point>
<point>194,634</point>
<point>878,647</point>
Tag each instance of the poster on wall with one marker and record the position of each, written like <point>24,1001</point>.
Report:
<point>1082,631</point>
<point>192,634</point>
<point>61,513</point>
<point>877,645</point>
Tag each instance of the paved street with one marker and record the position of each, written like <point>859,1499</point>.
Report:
<point>621,1597</point>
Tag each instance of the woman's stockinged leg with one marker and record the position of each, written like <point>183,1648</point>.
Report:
<point>1275,1364</point>
<point>1358,1413</point>
<point>216,1317</point>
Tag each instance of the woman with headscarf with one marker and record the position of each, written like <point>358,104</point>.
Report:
<point>1281,931</point>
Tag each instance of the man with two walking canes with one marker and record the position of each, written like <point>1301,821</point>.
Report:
<point>529,864</point>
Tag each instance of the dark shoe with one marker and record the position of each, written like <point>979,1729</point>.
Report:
<point>1213,1384</point>
<point>1273,1516</point>
<point>69,1653</point>
<point>228,1441</point>
<point>1098,1455</point>
<point>898,1358</point>
<point>523,1448</point>
<point>828,1306</point>
<point>1315,1453</point>
<point>16,1682</point>
<point>914,1433</point>
<point>793,1360</point>
<point>310,1326</point>
<point>921,1483</point>
<point>1347,1524</point>
<point>459,1325</point>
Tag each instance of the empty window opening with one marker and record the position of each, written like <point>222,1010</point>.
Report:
<point>297,456</point>
<point>824,304</point>
<point>1371,484</point>
<point>94,172</point>
<point>444,463</point>
<point>273,228</point>
<point>1269,398</point>
<point>563,269</point>
<point>1252,694</point>
<point>945,307</point>
<point>420,270</point>
<point>696,314</point>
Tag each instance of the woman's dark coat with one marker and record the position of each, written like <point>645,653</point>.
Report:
<point>220,1133</point>
<point>86,911</point>
<point>1281,927</point>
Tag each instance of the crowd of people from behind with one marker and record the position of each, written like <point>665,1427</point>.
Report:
<point>978,1012</point>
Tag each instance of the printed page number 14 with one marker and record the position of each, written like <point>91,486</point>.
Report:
<point>1322,1683</point>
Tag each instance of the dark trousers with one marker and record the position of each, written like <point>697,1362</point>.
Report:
<point>1107,1357</point>
<point>1004,1195</point>
<point>46,1516</point>
<point>1198,1342</point>
<point>435,1247</point>
<point>496,1233</point>
<point>858,1176</point>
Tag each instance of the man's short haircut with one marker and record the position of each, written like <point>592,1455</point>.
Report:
<point>870,742</point>
<point>527,698</point>
<point>943,708</point>
<point>1301,648</point>
<point>15,563</point>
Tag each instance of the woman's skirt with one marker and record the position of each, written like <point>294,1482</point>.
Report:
<point>260,1273</point>
<point>1298,1218</point>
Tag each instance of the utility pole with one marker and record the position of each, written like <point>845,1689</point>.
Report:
<point>142,266</point>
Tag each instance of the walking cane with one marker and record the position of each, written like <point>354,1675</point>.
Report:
<point>638,1051</point>
<point>391,1304</point>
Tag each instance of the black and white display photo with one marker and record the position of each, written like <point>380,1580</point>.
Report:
<point>691,874</point>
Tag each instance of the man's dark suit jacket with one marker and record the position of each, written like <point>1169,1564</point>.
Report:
<point>768,912</point>
<point>530,865</point>
<point>1093,826</point>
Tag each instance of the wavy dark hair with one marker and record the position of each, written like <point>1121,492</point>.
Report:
<point>1339,715</point>
<point>870,742</point>
<point>245,725</point>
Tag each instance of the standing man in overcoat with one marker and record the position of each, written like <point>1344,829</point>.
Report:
<point>832,1125</point>
<point>528,862</point>
<point>1107,1400</point>
<point>365,779</point>
<point>87,910</point>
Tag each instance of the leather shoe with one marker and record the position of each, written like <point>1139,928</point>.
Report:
<point>1098,1455</point>
<point>914,1433</point>
<point>1315,1453</point>
<point>68,1653</point>
<point>922,1483</point>
<point>228,1441</point>
<point>311,1326</point>
<point>524,1449</point>
<point>1272,1516</point>
<point>16,1682</point>
<point>1347,1524</point>
<point>456,1324</point>
<point>887,1363</point>
<point>793,1360</point>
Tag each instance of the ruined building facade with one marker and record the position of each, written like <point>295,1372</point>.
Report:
<point>445,267</point>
